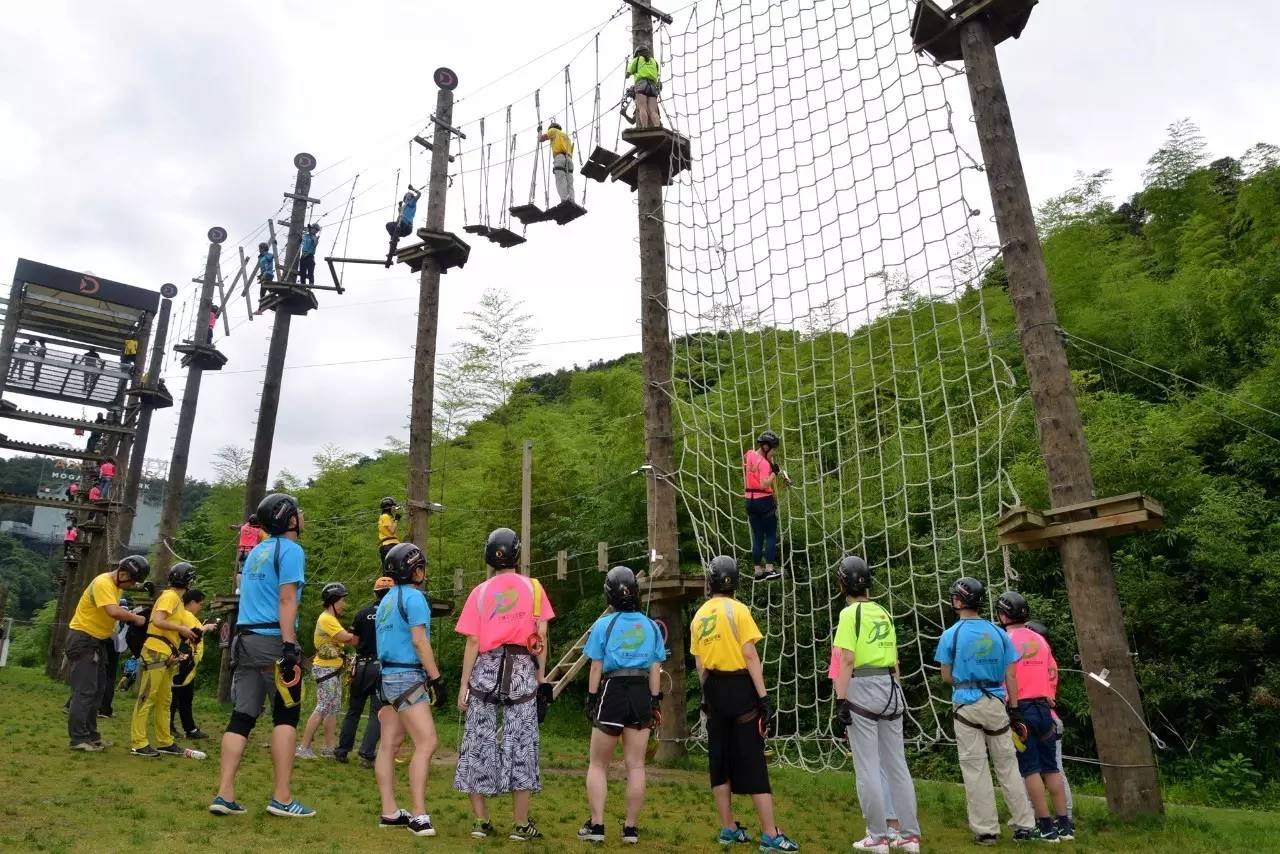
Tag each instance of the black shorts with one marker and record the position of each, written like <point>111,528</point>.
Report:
<point>624,704</point>
<point>734,743</point>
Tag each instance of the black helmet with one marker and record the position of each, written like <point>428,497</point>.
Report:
<point>722,574</point>
<point>768,437</point>
<point>555,124</point>
<point>854,576</point>
<point>1014,606</point>
<point>502,550</point>
<point>182,575</point>
<point>262,247</point>
<point>137,567</point>
<point>332,592</point>
<point>970,591</point>
<point>403,562</point>
<point>1038,627</point>
<point>387,503</point>
<point>253,518</point>
<point>275,511</point>
<point>621,590</point>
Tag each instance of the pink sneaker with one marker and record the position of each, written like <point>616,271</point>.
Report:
<point>909,843</point>
<point>873,844</point>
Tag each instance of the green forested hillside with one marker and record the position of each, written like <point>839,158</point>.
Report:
<point>1170,303</point>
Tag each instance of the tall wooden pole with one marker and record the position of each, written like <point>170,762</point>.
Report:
<point>269,406</point>
<point>129,510</point>
<point>659,446</point>
<point>526,506</point>
<point>186,416</point>
<point>424,362</point>
<point>1128,767</point>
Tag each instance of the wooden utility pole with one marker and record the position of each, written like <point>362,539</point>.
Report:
<point>129,509</point>
<point>260,466</point>
<point>526,506</point>
<point>186,415</point>
<point>664,556</point>
<point>1128,767</point>
<point>424,354</point>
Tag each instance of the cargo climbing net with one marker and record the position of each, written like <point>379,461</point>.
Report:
<point>822,267</point>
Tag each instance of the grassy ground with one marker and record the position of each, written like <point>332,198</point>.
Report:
<point>55,800</point>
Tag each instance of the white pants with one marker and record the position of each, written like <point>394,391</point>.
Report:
<point>974,745</point>
<point>879,759</point>
<point>562,169</point>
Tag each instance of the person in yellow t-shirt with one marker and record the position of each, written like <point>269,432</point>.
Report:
<point>88,634</point>
<point>159,661</point>
<point>561,158</point>
<point>327,666</point>
<point>184,678</point>
<point>388,520</point>
<point>723,640</point>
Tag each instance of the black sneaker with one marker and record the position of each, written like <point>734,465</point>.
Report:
<point>171,750</point>
<point>481,828</point>
<point>987,839</point>
<point>366,762</point>
<point>197,734</point>
<point>420,825</point>
<point>525,832</point>
<point>340,757</point>
<point>768,575</point>
<point>1066,828</point>
<point>631,835</point>
<point>591,832</point>
<point>400,819</point>
<point>146,751</point>
<point>1022,834</point>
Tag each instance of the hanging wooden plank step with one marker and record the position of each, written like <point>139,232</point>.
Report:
<point>565,212</point>
<point>505,237</point>
<point>529,214</point>
<point>1108,517</point>
<point>598,165</point>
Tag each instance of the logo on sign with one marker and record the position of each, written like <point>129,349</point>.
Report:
<point>89,285</point>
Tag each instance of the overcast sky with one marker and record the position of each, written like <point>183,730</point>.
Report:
<point>130,128</point>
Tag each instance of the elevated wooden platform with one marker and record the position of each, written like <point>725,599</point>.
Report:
<point>445,247</point>
<point>37,501</point>
<point>205,356</point>
<point>937,32</point>
<point>287,297</point>
<point>50,450</point>
<point>156,398</point>
<point>669,149</point>
<point>668,588</point>
<point>10,410</point>
<point>1109,517</point>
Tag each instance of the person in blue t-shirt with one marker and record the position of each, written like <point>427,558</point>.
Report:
<point>266,263</point>
<point>411,683</point>
<point>978,660</point>
<point>266,658</point>
<point>626,649</point>
<point>402,225</point>
<point>307,261</point>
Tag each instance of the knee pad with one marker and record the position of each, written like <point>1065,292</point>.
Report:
<point>241,724</point>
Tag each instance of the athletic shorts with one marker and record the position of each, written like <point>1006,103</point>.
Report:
<point>253,680</point>
<point>624,704</point>
<point>1041,755</point>
<point>395,684</point>
<point>734,744</point>
<point>328,692</point>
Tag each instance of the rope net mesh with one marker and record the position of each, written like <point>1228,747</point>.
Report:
<point>820,252</point>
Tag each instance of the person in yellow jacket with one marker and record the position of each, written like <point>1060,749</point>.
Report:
<point>561,158</point>
<point>388,521</point>
<point>643,71</point>
<point>184,679</point>
<point>165,634</point>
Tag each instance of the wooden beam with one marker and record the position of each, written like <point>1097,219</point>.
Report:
<point>562,565</point>
<point>602,557</point>
<point>1108,526</point>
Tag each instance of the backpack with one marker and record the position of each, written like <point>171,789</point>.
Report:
<point>135,636</point>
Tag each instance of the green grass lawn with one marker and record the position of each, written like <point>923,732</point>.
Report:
<point>55,800</point>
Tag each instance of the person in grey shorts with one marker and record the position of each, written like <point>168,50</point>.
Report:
<point>266,658</point>
<point>870,706</point>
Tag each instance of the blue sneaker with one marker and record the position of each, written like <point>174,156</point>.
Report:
<point>777,843</point>
<point>222,806</point>
<point>736,835</point>
<point>293,809</point>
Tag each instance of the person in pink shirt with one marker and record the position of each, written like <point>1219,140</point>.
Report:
<point>69,539</point>
<point>1043,631</point>
<point>760,474</point>
<point>503,667</point>
<point>250,534</point>
<point>1037,674</point>
<point>214,314</point>
<point>106,473</point>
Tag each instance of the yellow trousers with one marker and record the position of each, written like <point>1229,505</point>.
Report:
<point>155,695</point>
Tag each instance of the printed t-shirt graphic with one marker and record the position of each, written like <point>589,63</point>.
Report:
<point>634,643</point>
<point>500,611</point>
<point>1036,669</point>
<point>720,629</point>
<point>977,652</point>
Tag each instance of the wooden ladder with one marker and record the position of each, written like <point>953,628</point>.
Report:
<point>570,665</point>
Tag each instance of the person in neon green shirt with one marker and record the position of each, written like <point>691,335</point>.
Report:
<point>643,71</point>
<point>561,158</point>
<point>870,705</point>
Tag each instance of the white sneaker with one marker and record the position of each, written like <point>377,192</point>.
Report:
<point>304,752</point>
<point>873,844</point>
<point>909,843</point>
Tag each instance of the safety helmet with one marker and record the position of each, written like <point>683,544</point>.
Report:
<point>137,567</point>
<point>182,575</point>
<point>1038,627</point>
<point>722,574</point>
<point>621,590</point>
<point>1013,606</point>
<point>313,227</point>
<point>262,247</point>
<point>970,591</point>
<point>275,511</point>
<point>332,592</point>
<point>769,438</point>
<point>403,562</point>
<point>854,576</point>
<point>502,549</point>
<point>555,124</point>
<point>387,503</point>
<point>383,583</point>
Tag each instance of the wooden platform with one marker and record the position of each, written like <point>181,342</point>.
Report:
<point>1109,517</point>
<point>9,410</point>
<point>156,398</point>
<point>50,450</point>
<point>565,212</point>
<point>287,297</point>
<point>205,356</point>
<point>505,237</point>
<point>937,32</point>
<point>37,501</point>
<point>670,587</point>
<point>528,214</point>
<point>445,247</point>
<point>669,149</point>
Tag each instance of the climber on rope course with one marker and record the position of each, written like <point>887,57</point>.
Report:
<point>761,473</point>
<point>643,70</point>
<point>561,158</point>
<point>307,261</point>
<point>402,225</point>
<point>266,263</point>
